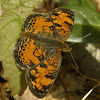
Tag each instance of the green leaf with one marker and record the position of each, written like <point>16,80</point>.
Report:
<point>86,21</point>
<point>74,2</point>
<point>22,5</point>
<point>10,27</point>
<point>88,3</point>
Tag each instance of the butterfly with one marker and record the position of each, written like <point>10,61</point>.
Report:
<point>38,48</point>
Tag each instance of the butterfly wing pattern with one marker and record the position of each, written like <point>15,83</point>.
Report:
<point>41,78</point>
<point>38,49</point>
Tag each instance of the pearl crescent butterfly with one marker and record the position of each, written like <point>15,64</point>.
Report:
<point>38,49</point>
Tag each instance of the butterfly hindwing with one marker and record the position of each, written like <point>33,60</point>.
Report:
<point>41,77</point>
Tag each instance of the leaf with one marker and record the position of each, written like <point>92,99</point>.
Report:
<point>23,5</point>
<point>10,27</point>
<point>88,3</point>
<point>86,21</point>
<point>74,2</point>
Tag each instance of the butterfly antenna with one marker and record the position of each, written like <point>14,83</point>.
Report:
<point>74,60</point>
<point>74,43</point>
<point>80,39</point>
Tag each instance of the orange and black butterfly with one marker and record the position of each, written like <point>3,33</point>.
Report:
<point>38,49</point>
